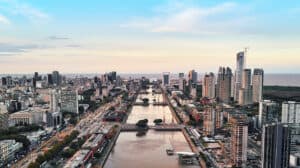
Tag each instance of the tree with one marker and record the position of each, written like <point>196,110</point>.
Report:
<point>157,121</point>
<point>142,123</point>
<point>81,109</point>
<point>34,165</point>
<point>145,101</point>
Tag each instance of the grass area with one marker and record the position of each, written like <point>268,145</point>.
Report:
<point>282,93</point>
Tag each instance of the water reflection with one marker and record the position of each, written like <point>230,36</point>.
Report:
<point>148,151</point>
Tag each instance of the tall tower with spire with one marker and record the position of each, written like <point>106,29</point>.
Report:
<point>240,65</point>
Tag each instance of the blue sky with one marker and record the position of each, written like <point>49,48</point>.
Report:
<point>169,35</point>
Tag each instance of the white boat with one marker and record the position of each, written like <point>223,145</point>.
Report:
<point>170,151</point>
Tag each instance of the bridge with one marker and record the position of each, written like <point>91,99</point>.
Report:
<point>154,104</point>
<point>163,127</point>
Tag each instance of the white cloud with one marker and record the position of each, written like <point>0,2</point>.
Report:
<point>180,18</point>
<point>4,20</point>
<point>15,7</point>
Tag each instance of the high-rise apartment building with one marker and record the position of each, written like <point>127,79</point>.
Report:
<point>56,78</point>
<point>240,65</point>
<point>245,93</point>
<point>54,101</point>
<point>223,90</point>
<point>182,84</point>
<point>275,146</point>
<point>290,112</point>
<point>208,86</point>
<point>257,85</point>
<point>49,79</point>
<point>239,140</point>
<point>268,112</point>
<point>193,77</point>
<point>69,100</point>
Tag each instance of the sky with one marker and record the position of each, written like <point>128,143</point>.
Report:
<point>148,36</point>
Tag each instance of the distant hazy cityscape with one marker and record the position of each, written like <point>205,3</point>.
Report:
<point>270,79</point>
<point>237,117</point>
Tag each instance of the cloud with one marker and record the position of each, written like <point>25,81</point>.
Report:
<point>58,38</point>
<point>4,20</point>
<point>16,7</point>
<point>7,49</point>
<point>193,19</point>
<point>73,46</point>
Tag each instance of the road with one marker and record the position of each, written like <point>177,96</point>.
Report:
<point>86,120</point>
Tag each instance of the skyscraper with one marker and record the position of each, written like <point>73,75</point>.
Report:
<point>54,101</point>
<point>166,79</point>
<point>193,77</point>
<point>290,112</point>
<point>181,75</point>
<point>182,84</point>
<point>275,146</point>
<point>257,85</point>
<point>49,79</point>
<point>208,86</point>
<point>239,140</point>
<point>245,93</point>
<point>224,84</point>
<point>69,100</point>
<point>268,112</point>
<point>240,65</point>
<point>56,78</point>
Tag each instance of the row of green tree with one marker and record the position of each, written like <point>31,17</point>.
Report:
<point>20,129</point>
<point>52,153</point>
<point>72,148</point>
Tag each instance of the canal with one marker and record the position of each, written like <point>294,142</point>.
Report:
<point>148,151</point>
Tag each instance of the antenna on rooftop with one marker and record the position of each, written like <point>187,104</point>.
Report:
<point>246,49</point>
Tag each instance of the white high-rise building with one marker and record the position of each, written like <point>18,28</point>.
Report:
<point>240,65</point>
<point>257,85</point>
<point>166,79</point>
<point>290,112</point>
<point>69,100</point>
<point>208,86</point>
<point>54,101</point>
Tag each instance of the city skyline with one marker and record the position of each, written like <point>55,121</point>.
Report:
<point>173,36</point>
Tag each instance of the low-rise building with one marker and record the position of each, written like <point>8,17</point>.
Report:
<point>8,148</point>
<point>30,116</point>
<point>79,159</point>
